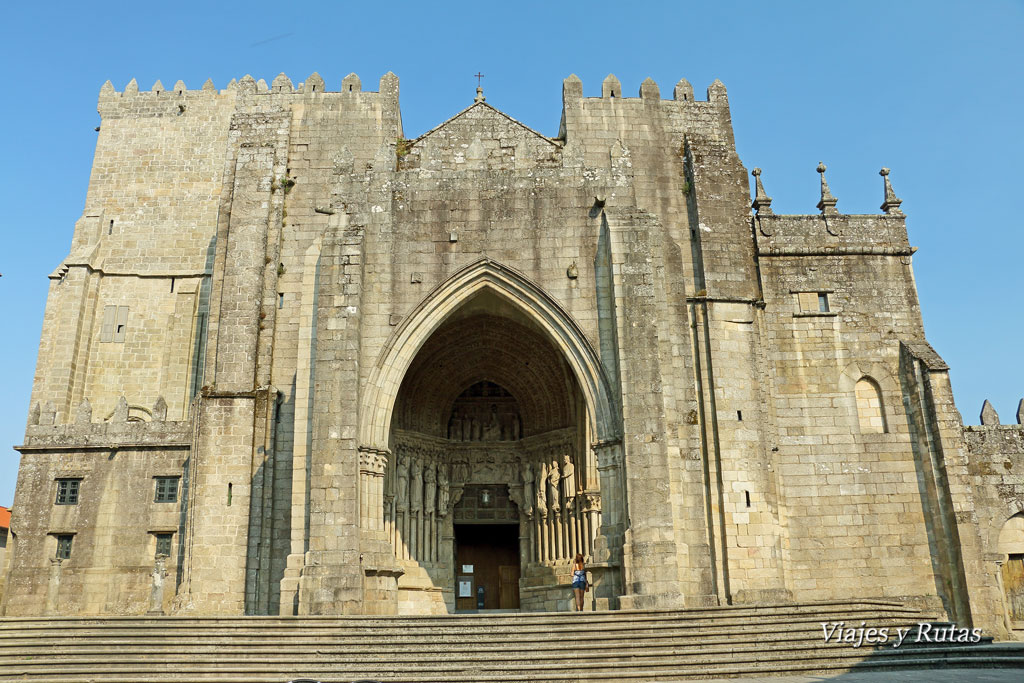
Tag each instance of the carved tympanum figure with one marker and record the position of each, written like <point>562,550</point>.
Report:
<point>492,428</point>
<point>455,427</point>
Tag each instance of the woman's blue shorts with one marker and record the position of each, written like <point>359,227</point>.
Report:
<point>582,585</point>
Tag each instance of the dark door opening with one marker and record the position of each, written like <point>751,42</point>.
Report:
<point>492,553</point>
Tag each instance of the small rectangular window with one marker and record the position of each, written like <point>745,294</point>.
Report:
<point>64,546</point>
<point>107,330</point>
<point>813,302</point>
<point>163,544</point>
<point>807,301</point>
<point>3,538</point>
<point>121,324</point>
<point>67,491</point>
<point>166,490</point>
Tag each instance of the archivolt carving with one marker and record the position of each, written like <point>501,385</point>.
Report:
<point>417,327</point>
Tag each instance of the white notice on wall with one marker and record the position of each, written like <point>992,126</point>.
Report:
<point>465,589</point>
<point>467,569</point>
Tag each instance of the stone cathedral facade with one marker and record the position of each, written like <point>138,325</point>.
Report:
<point>295,363</point>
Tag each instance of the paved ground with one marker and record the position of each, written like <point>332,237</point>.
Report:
<point>917,676</point>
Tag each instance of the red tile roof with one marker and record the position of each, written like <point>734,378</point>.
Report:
<point>5,518</point>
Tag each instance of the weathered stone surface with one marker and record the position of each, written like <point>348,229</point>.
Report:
<point>989,416</point>
<point>337,338</point>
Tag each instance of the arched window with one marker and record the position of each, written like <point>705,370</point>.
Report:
<point>870,409</point>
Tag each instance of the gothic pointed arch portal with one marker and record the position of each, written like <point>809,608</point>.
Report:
<point>518,290</point>
<point>486,403</point>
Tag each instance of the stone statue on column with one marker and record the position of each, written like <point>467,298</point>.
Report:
<point>542,498</point>
<point>568,481</point>
<point>443,492</point>
<point>467,427</point>
<point>429,488</point>
<point>528,494</point>
<point>553,481</point>
<point>416,492</point>
<point>402,494</point>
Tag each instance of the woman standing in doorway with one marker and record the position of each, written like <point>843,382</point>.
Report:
<point>579,580</point>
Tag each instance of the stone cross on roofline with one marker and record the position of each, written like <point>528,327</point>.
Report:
<point>479,89</point>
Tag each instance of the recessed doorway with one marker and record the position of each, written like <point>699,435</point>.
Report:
<point>487,556</point>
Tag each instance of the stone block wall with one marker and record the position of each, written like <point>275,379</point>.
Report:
<point>851,499</point>
<point>113,525</point>
<point>996,454</point>
<point>996,464</point>
<point>764,417</point>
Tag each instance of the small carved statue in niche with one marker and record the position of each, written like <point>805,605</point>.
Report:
<point>443,493</point>
<point>509,471</point>
<point>568,480</point>
<point>492,430</point>
<point>553,480</point>
<point>416,492</point>
<point>467,427</point>
<point>403,481</point>
<point>474,430</point>
<point>462,471</point>
<point>515,430</point>
<point>429,488</point>
<point>528,493</point>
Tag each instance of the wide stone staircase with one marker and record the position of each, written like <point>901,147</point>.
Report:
<point>642,645</point>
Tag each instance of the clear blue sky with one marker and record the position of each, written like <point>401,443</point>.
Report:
<point>931,89</point>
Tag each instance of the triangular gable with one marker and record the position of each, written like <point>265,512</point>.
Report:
<point>491,109</point>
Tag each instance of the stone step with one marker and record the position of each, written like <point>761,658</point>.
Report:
<point>412,662</point>
<point>666,669</point>
<point>789,633</point>
<point>489,652</point>
<point>258,624</point>
<point>513,617</point>
<point>603,638</point>
<point>693,631</point>
<point>644,645</point>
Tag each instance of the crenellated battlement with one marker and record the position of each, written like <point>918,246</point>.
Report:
<point>128,426</point>
<point>990,418</point>
<point>611,89</point>
<point>281,84</point>
<point>830,232</point>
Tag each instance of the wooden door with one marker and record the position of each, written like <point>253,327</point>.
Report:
<point>493,552</point>
<point>508,586</point>
<point>1013,584</point>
